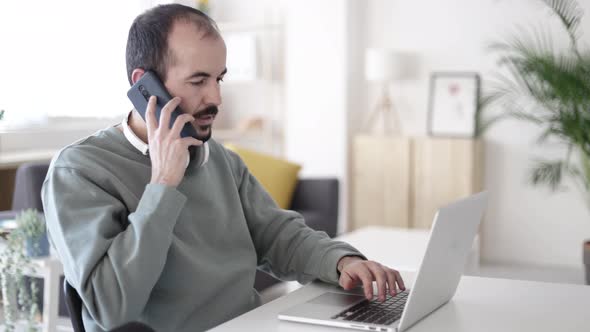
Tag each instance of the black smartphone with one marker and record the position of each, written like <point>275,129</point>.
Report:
<point>150,85</point>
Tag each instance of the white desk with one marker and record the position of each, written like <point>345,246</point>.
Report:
<point>480,305</point>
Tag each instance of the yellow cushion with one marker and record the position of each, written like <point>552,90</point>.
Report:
<point>277,176</point>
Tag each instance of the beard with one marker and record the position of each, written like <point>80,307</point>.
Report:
<point>204,132</point>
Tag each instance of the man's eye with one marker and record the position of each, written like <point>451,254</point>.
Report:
<point>197,83</point>
<point>219,80</point>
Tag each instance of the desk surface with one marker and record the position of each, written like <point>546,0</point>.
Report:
<point>399,248</point>
<point>480,304</point>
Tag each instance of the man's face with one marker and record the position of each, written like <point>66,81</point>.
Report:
<point>197,68</point>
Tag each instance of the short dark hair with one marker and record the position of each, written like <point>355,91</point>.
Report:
<point>147,43</point>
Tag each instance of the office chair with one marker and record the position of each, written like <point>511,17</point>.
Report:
<point>74,305</point>
<point>27,189</point>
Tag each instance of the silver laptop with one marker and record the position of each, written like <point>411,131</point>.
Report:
<point>451,237</point>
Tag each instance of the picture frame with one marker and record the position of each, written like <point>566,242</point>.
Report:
<point>453,102</point>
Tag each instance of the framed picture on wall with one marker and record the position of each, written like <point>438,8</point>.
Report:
<point>453,103</point>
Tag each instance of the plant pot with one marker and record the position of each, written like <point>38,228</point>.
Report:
<point>587,260</point>
<point>43,246</point>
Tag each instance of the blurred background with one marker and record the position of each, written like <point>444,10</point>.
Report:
<point>394,99</point>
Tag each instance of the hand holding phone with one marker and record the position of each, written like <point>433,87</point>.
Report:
<point>168,151</point>
<point>150,85</point>
<point>168,148</point>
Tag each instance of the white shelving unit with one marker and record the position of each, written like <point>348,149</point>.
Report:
<point>266,92</point>
<point>50,270</point>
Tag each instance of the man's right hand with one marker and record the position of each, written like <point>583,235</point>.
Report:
<point>168,151</point>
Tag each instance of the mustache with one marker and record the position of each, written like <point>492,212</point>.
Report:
<point>211,110</point>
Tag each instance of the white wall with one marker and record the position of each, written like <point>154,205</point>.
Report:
<point>523,224</point>
<point>316,85</point>
<point>316,90</point>
<point>356,90</point>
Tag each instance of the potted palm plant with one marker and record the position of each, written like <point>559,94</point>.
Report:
<point>550,89</point>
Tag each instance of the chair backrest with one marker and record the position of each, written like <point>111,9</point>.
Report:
<point>318,199</point>
<point>74,305</point>
<point>27,186</point>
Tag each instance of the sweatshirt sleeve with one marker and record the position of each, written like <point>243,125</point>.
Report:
<point>285,246</point>
<point>111,256</point>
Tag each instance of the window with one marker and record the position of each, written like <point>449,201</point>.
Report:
<point>64,58</point>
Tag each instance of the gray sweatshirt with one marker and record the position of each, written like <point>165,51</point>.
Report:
<point>177,259</point>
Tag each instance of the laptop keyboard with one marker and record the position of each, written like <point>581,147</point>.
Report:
<point>375,312</point>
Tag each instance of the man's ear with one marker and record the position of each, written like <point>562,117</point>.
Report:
<point>136,74</point>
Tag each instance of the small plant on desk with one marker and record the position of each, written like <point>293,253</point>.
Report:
<point>14,262</point>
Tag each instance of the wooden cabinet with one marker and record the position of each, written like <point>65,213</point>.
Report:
<point>401,182</point>
<point>443,170</point>
<point>380,181</point>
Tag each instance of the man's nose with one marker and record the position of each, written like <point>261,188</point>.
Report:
<point>213,95</point>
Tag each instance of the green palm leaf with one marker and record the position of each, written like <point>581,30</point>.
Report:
<point>547,172</point>
<point>546,88</point>
<point>569,12</point>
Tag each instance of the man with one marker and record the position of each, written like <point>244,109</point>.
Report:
<point>145,237</point>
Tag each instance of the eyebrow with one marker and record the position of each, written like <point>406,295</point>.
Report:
<point>204,74</point>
